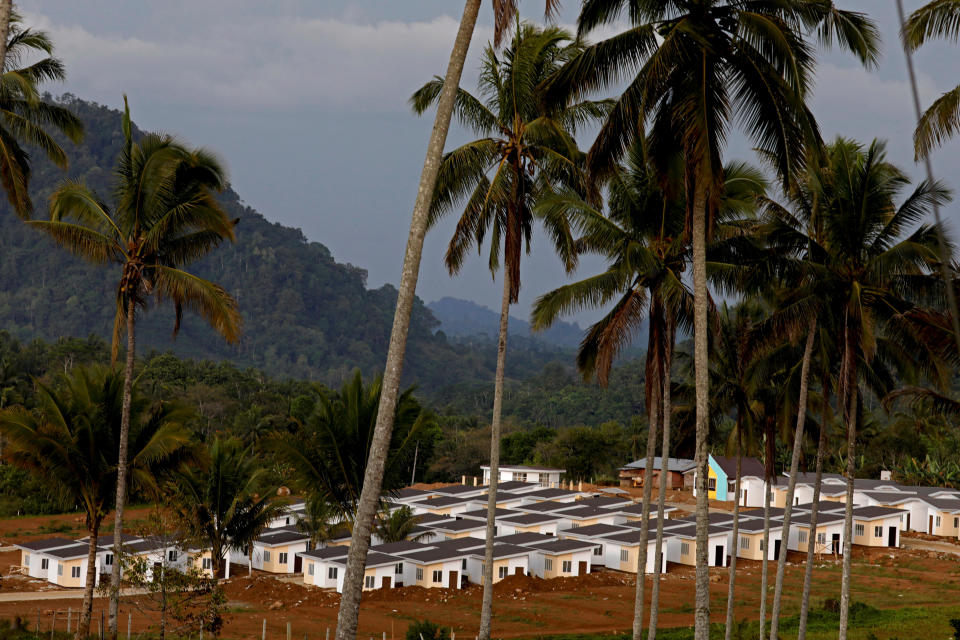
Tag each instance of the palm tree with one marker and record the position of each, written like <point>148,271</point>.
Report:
<point>642,239</point>
<point>349,613</point>
<point>320,520</point>
<point>165,216</point>
<point>938,19</point>
<point>399,526</point>
<point>328,453</point>
<point>69,443</point>
<point>224,501</point>
<point>697,63</point>
<point>871,277</point>
<point>527,151</point>
<point>25,118</point>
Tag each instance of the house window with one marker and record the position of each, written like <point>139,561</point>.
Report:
<point>520,477</point>
<point>502,572</point>
<point>266,555</point>
<point>547,564</point>
<point>206,564</point>
<point>283,557</point>
<point>44,563</point>
<point>711,484</point>
<point>956,522</point>
<point>624,555</point>
<point>288,520</point>
<point>567,566</point>
<point>574,525</point>
<point>171,555</point>
<point>310,569</point>
<point>937,521</point>
<point>332,573</point>
<point>744,542</point>
<point>821,538</point>
<point>420,573</point>
<point>684,548</point>
<point>369,582</point>
<point>108,559</point>
<point>74,572</point>
<point>437,577</point>
<point>59,569</point>
<point>802,537</point>
<point>858,530</point>
<point>878,532</point>
<point>398,569</point>
<point>26,559</point>
<point>598,551</point>
<point>463,564</point>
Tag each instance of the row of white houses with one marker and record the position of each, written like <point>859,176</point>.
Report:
<point>64,562</point>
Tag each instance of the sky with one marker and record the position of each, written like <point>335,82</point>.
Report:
<point>307,104</point>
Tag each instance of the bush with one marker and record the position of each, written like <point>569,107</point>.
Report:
<point>832,605</point>
<point>426,630</point>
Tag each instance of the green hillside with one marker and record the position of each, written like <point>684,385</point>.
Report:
<point>305,315</point>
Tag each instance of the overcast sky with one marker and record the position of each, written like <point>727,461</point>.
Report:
<point>307,103</point>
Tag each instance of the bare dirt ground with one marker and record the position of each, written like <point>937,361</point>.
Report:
<point>526,607</point>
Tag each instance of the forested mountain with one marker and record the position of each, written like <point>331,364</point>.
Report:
<point>305,315</point>
<point>464,318</point>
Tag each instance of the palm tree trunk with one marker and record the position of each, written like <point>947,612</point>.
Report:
<point>86,609</point>
<point>814,513</point>
<point>763,561</point>
<point>486,604</point>
<point>654,392</point>
<point>702,385</point>
<point>6,6</point>
<point>792,480</point>
<point>114,607</point>
<point>349,612</point>
<point>849,396</point>
<point>731,587</point>
<point>664,456</point>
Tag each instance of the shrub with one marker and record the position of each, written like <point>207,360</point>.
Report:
<point>426,630</point>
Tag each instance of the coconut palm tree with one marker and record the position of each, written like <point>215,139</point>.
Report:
<point>224,501</point>
<point>349,613</point>
<point>327,455</point>
<point>399,526</point>
<point>642,239</point>
<point>696,63</point>
<point>938,19</point>
<point>165,216</point>
<point>25,118</point>
<point>70,443</point>
<point>527,151</point>
<point>871,279</point>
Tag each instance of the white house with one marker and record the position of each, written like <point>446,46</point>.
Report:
<point>508,559</point>
<point>68,565</point>
<point>682,545</point>
<point>562,558</point>
<point>34,560</point>
<point>877,526</point>
<point>276,551</point>
<point>435,567</point>
<point>545,476</point>
<point>380,572</point>
<point>828,538</point>
<point>620,551</point>
<point>595,534</point>
<point>749,544</point>
<point>543,523</point>
<point>319,568</point>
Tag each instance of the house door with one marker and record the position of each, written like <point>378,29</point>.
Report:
<point>518,571</point>
<point>744,503</point>
<point>386,582</point>
<point>908,522</point>
<point>776,549</point>
<point>452,580</point>
<point>718,556</point>
<point>930,528</point>
<point>892,537</point>
<point>297,564</point>
<point>583,569</point>
<point>836,543</point>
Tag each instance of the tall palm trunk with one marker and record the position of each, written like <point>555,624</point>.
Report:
<point>486,604</point>
<point>86,608</point>
<point>770,474</point>
<point>6,6</point>
<point>792,480</point>
<point>731,587</point>
<point>349,613</point>
<point>702,385</point>
<point>814,513</point>
<point>849,396</point>
<point>114,607</point>
<point>654,392</point>
<point>664,456</point>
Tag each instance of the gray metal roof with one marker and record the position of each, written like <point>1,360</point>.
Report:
<point>44,545</point>
<point>555,547</point>
<point>874,513</point>
<point>679,465</point>
<point>595,530</point>
<point>327,553</point>
<point>525,539</point>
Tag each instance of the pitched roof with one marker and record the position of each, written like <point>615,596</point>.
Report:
<point>76,550</point>
<point>441,501</point>
<point>435,554</point>
<point>748,466</point>
<point>874,513</point>
<point>555,547</point>
<point>270,539</point>
<point>402,546</point>
<point>459,490</point>
<point>754,525</point>
<point>44,545</point>
<point>516,485</point>
<point>459,543</point>
<point>595,530</point>
<point>327,553</point>
<point>525,539</point>
<point>467,524</point>
<point>531,518</point>
<point>822,518</point>
<point>551,493</point>
<point>678,465</point>
<point>506,550</point>
<point>547,506</point>
<point>584,512</point>
<point>606,501</point>
<point>481,514</point>
<point>374,559</point>
<point>523,467</point>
